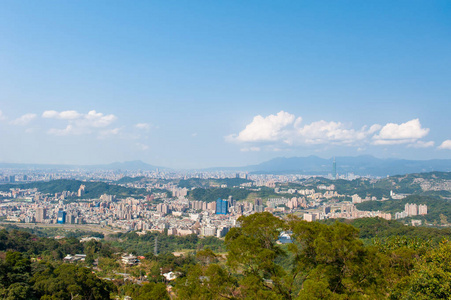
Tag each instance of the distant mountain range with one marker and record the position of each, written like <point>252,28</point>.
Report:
<point>359,165</point>
<point>313,165</point>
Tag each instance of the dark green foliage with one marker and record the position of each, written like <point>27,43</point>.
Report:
<point>212,194</point>
<point>55,231</point>
<point>21,241</point>
<point>205,183</point>
<point>131,242</point>
<point>151,291</point>
<point>17,240</point>
<point>208,282</point>
<point>378,188</point>
<point>93,189</point>
<point>69,282</point>
<point>324,262</point>
<point>168,262</point>
<point>128,179</point>
<point>252,249</point>
<point>430,277</point>
<point>19,279</point>
<point>360,259</point>
<point>436,206</point>
<point>376,227</point>
<point>266,193</point>
<point>14,276</point>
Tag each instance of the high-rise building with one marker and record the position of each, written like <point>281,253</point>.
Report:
<point>61,218</point>
<point>222,231</point>
<point>163,208</point>
<point>70,218</point>
<point>258,205</point>
<point>40,214</point>
<point>326,209</point>
<point>422,209</point>
<point>208,231</point>
<point>309,217</point>
<point>222,207</point>
<point>411,209</point>
<point>81,190</point>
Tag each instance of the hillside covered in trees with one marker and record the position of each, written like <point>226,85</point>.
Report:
<point>94,189</point>
<point>359,259</point>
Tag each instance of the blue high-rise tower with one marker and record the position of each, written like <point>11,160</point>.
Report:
<point>222,207</point>
<point>61,218</point>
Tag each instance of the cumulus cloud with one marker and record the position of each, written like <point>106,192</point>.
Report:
<point>262,129</point>
<point>322,132</point>
<point>446,145</point>
<point>79,123</point>
<point>286,130</point>
<point>143,126</point>
<point>24,120</point>
<point>64,115</point>
<point>392,134</point>
<point>96,119</point>
<point>69,130</point>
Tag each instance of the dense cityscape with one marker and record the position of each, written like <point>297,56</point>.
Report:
<point>167,207</point>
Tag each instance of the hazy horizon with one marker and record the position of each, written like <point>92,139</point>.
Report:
<point>213,167</point>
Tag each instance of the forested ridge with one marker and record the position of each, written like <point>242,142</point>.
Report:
<point>359,259</point>
<point>94,189</point>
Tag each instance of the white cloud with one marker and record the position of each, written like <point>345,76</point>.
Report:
<point>24,120</point>
<point>96,119</point>
<point>143,126</point>
<point>79,123</point>
<point>69,130</point>
<point>64,115</point>
<point>392,134</point>
<point>445,145</point>
<point>263,129</point>
<point>286,131</point>
<point>322,132</point>
<point>285,128</point>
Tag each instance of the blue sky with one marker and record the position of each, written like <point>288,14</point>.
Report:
<point>193,84</point>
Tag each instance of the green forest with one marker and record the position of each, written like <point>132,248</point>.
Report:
<point>378,188</point>
<point>345,259</point>
<point>203,183</point>
<point>93,189</point>
<point>439,209</point>
<point>211,194</point>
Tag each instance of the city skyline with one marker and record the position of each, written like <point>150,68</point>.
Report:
<point>196,85</point>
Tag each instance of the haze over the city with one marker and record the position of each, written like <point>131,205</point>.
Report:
<point>204,84</point>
